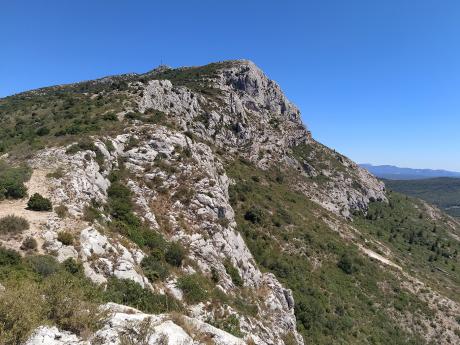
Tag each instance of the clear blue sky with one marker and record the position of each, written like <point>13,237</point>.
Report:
<point>377,80</point>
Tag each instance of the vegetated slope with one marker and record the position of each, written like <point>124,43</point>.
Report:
<point>392,172</point>
<point>197,196</point>
<point>444,192</point>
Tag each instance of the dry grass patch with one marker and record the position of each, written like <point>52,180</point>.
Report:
<point>12,224</point>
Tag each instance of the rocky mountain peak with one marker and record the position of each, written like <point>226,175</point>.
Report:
<point>198,205</point>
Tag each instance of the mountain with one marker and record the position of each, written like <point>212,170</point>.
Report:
<point>192,206</point>
<point>444,192</point>
<point>391,172</point>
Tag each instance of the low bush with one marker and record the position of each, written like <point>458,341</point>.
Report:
<point>347,265</point>
<point>154,268</point>
<point>255,215</point>
<point>73,267</point>
<point>42,131</point>
<point>120,206</point>
<point>13,224</point>
<point>43,265</point>
<point>12,181</point>
<point>22,309</point>
<point>233,273</point>
<point>65,237</point>
<point>193,287</point>
<point>91,214</point>
<point>39,203</point>
<point>215,277</point>
<point>230,324</point>
<point>175,254</point>
<point>62,211</point>
<point>67,301</point>
<point>72,303</point>
<point>83,145</point>
<point>29,244</point>
<point>9,257</point>
<point>128,292</point>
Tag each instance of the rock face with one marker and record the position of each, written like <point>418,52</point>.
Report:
<point>175,167</point>
<point>203,221</point>
<point>249,115</point>
<point>133,327</point>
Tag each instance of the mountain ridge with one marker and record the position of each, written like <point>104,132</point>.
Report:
<point>397,173</point>
<point>198,197</point>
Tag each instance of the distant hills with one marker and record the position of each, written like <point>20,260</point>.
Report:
<point>391,172</point>
<point>443,192</point>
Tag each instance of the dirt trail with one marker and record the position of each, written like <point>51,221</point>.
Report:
<point>37,184</point>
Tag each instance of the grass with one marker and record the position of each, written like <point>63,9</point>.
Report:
<point>420,243</point>
<point>40,291</point>
<point>337,291</point>
<point>56,115</point>
<point>29,243</point>
<point>128,292</point>
<point>65,237</point>
<point>233,273</point>
<point>13,224</point>
<point>195,78</point>
<point>12,180</point>
<point>193,287</point>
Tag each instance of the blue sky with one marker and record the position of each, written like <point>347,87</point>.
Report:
<point>377,80</point>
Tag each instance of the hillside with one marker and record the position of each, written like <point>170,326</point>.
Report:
<point>391,172</point>
<point>444,192</point>
<point>192,206</point>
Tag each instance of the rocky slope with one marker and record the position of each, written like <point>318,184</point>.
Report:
<point>173,138</point>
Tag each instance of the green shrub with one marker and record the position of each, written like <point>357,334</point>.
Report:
<point>39,203</point>
<point>9,257</point>
<point>13,189</point>
<point>155,116</point>
<point>154,268</point>
<point>73,267</point>
<point>13,224</point>
<point>42,131</point>
<point>109,145</point>
<point>22,309</point>
<point>65,237</point>
<point>120,204</point>
<point>72,303</point>
<point>110,117</point>
<point>29,244</point>
<point>120,207</point>
<point>215,275</point>
<point>193,288</point>
<point>175,254</point>
<point>44,265</point>
<point>255,215</point>
<point>128,292</point>
<point>91,214</point>
<point>233,273</point>
<point>12,181</point>
<point>347,265</point>
<point>230,324</point>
